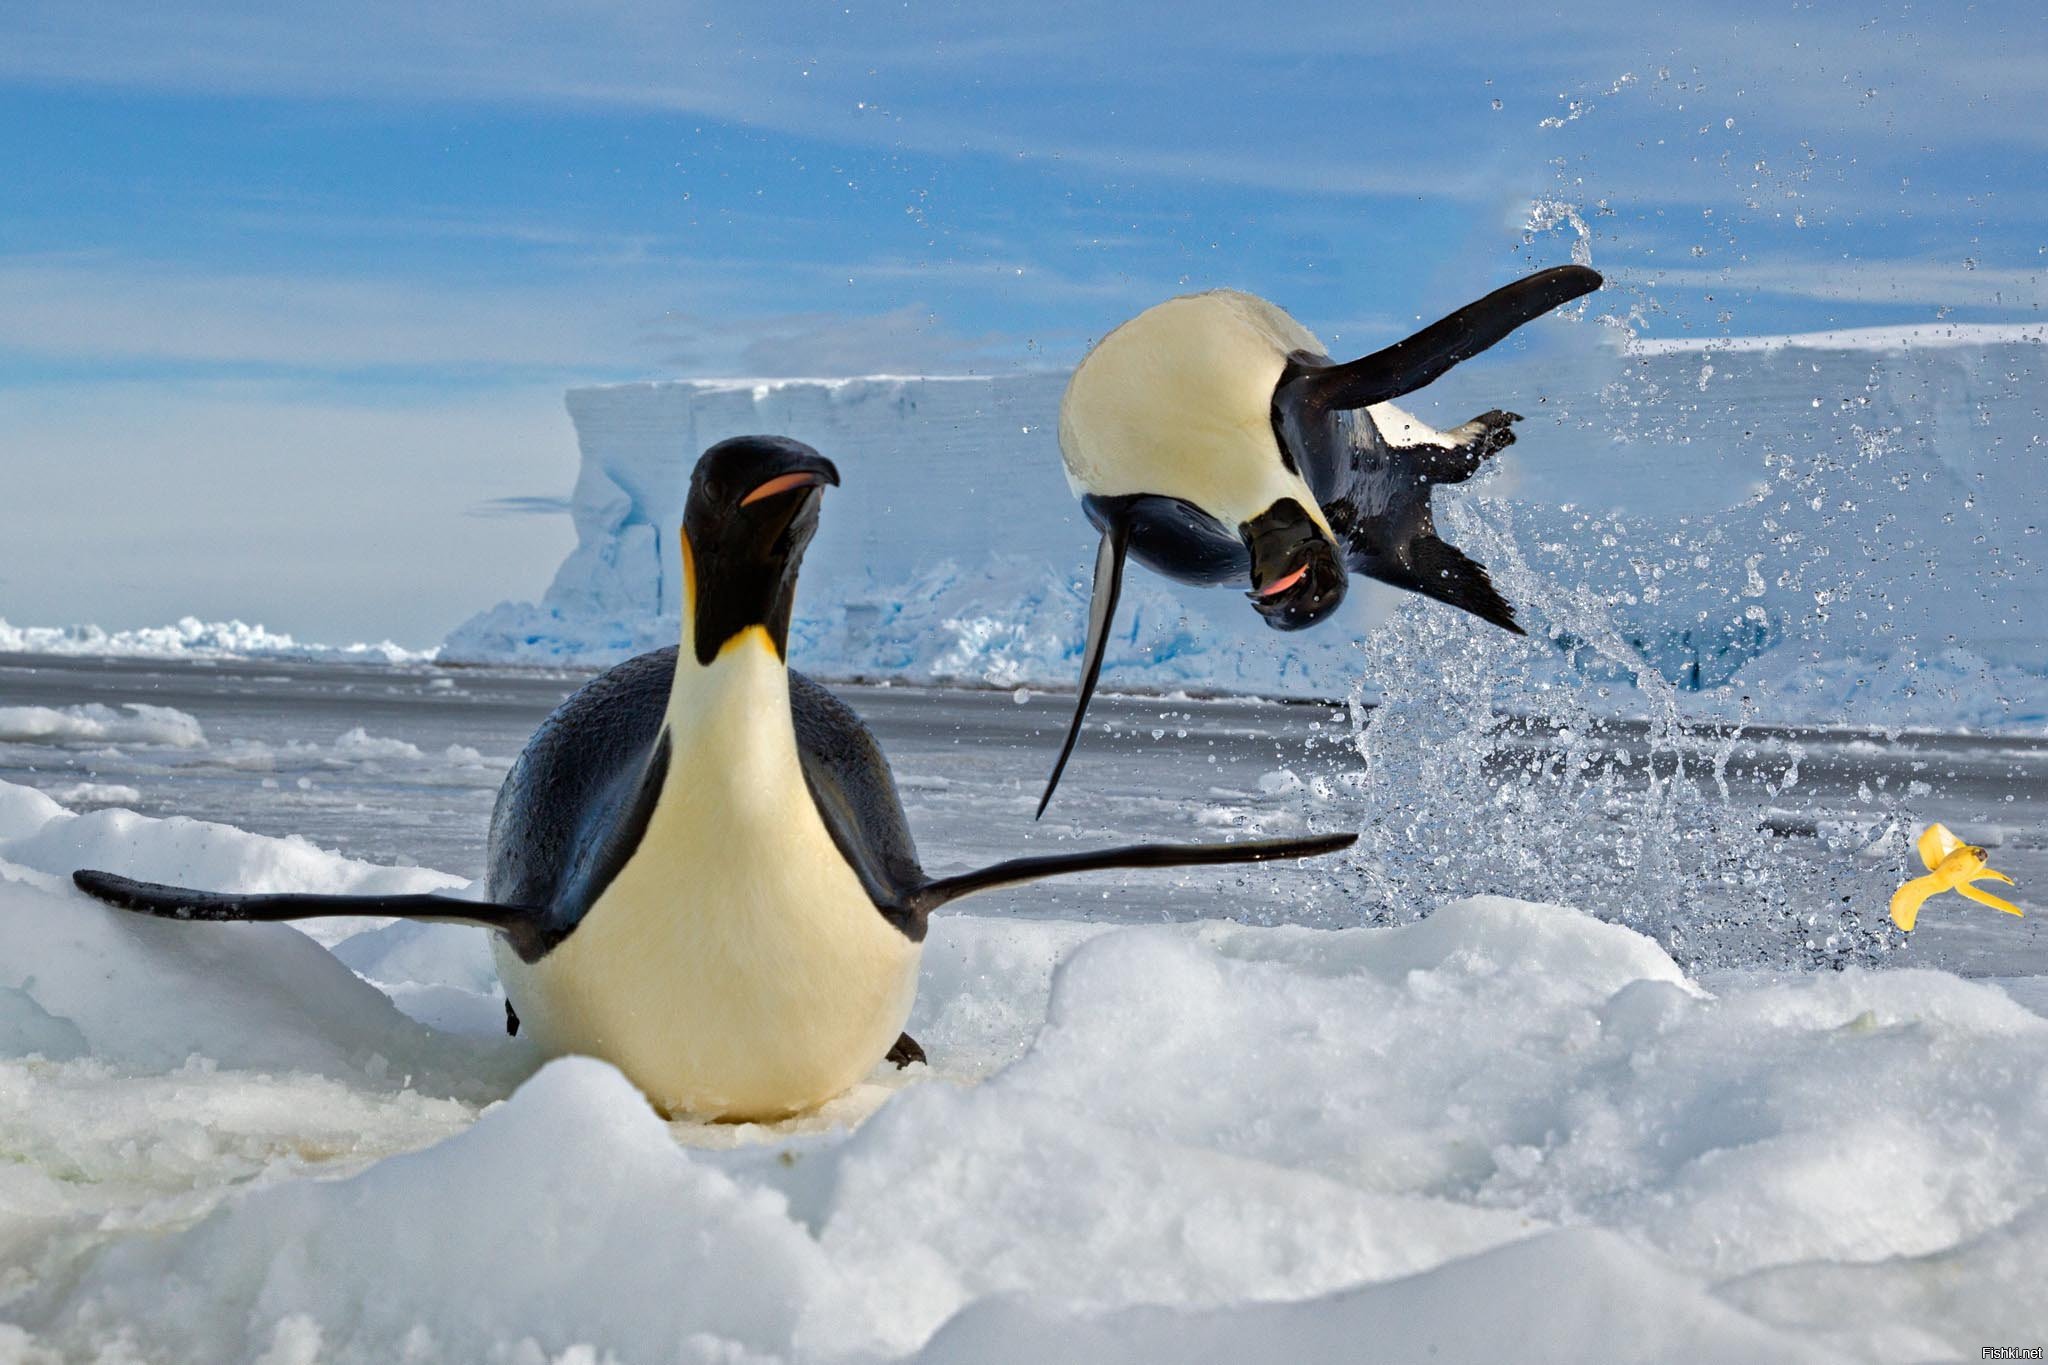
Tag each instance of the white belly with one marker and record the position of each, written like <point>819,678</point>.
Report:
<point>735,968</point>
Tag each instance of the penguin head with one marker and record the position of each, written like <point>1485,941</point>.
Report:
<point>752,509</point>
<point>1298,578</point>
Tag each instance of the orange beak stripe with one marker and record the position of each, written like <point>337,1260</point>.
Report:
<point>782,483</point>
<point>1280,585</point>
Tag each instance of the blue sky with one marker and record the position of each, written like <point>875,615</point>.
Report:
<point>276,278</point>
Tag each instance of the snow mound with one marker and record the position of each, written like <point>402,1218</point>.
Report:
<point>1565,1297</point>
<point>189,637</point>
<point>44,842</point>
<point>1509,1129</point>
<point>93,723</point>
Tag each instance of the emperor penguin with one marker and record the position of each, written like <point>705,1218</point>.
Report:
<point>699,868</point>
<point>1213,439</point>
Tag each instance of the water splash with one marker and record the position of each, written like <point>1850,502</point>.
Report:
<point>1548,215</point>
<point>1492,764</point>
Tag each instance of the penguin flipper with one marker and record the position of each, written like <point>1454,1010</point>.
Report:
<point>1424,357</point>
<point>1907,900</point>
<point>1109,579</point>
<point>178,902</point>
<point>1018,870</point>
<point>1436,568</point>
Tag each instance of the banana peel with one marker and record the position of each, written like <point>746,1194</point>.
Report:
<point>1952,865</point>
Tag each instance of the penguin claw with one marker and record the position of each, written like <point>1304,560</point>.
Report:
<point>905,1052</point>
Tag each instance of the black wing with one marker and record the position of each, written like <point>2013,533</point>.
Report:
<point>578,798</point>
<point>519,923</point>
<point>1424,357</point>
<point>1016,871</point>
<point>1174,537</point>
<point>855,794</point>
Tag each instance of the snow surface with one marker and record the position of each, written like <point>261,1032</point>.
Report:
<point>1837,528</point>
<point>1506,1131</point>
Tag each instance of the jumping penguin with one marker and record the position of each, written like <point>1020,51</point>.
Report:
<point>1212,438</point>
<point>699,868</point>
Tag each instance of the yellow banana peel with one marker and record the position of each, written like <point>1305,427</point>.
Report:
<point>1952,865</point>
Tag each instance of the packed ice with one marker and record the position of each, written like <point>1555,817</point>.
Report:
<point>1509,1128</point>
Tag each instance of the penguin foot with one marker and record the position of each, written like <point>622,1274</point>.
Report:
<point>1478,441</point>
<point>1490,432</point>
<point>905,1052</point>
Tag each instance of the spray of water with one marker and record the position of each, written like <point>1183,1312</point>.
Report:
<point>1490,768</point>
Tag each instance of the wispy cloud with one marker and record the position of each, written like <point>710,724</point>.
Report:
<point>111,310</point>
<point>1323,96</point>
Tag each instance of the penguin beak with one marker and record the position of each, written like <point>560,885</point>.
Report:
<point>789,483</point>
<point>1297,577</point>
<point>1280,585</point>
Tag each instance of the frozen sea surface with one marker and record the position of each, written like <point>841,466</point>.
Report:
<point>400,765</point>
<point>1267,1114</point>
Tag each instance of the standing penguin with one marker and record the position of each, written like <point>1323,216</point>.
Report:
<point>1213,438</point>
<point>699,869</point>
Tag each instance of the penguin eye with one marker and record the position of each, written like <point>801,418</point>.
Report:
<point>782,483</point>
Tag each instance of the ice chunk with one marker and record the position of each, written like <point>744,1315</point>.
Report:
<point>93,723</point>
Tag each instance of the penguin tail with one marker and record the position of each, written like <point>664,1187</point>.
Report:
<point>178,902</point>
<point>1019,870</point>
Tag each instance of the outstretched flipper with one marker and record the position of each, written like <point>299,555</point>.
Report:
<point>517,922</point>
<point>1109,579</point>
<point>1017,870</point>
<point>1424,357</point>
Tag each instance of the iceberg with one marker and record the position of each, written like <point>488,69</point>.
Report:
<point>1737,517</point>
